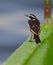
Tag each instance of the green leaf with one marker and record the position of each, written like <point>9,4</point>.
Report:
<point>39,55</point>
<point>29,53</point>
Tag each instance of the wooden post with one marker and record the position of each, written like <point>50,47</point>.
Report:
<point>47,11</point>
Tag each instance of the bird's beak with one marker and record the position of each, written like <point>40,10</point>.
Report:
<point>27,15</point>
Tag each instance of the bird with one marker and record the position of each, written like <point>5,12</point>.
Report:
<point>34,26</point>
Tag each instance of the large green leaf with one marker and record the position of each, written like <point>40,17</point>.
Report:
<point>29,53</point>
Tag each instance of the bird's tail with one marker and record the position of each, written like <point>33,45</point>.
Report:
<point>37,39</point>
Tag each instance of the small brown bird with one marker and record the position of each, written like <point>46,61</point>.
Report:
<point>34,26</point>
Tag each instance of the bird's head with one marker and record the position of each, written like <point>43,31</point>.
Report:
<point>31,16</point>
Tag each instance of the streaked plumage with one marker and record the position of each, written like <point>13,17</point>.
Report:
<point>34,25</point>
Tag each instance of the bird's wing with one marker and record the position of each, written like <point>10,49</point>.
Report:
<point>32,30</point>
<point>38,29</point>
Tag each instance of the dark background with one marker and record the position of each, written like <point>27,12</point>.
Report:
<point>13,23</point>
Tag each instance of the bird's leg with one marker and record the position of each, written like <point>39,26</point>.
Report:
<point>31,37</point>
<point>30,40</point>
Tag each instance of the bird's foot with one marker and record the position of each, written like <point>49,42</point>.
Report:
<point>39,44</point>
<point>30,41</point>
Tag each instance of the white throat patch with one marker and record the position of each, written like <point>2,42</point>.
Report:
<point>33,19</point>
